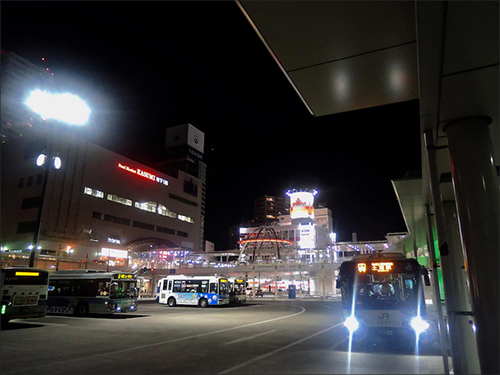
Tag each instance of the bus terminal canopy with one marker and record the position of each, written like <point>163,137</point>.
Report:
<point>340,56</point>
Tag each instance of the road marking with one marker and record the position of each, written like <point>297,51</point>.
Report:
<point>205,334</point>
<point>111,354</point>
<point>38,323</point>
<point>249,337</point>
<point>277,350</point>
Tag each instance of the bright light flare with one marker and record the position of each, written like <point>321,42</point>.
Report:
<point>419,325</point>
<point>65,107</point>
<point>351,323</point>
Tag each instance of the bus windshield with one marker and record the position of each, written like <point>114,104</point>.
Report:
<point>223,287</point>
<point>123,289</point>
<point>386,290</point>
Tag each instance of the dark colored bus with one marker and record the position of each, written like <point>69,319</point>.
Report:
<point>82,292</point>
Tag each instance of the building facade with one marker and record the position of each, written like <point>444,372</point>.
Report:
<point>107,208</point>
<point>267,208</point>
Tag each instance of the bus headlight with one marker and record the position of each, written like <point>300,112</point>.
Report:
<point>419,325</point>
<point>351,323</point>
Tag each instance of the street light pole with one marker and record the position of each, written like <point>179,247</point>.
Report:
<point>66,108</point>
<point>40,210</point>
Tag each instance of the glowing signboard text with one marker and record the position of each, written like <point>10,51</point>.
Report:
<point>376,267</point>
<point>382,267</point>
<point>124,276</point>
<point>140,172</point>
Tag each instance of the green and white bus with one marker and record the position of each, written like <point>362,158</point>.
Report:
<point>82,292</point>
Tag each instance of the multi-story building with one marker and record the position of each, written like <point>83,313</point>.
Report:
<point>184,147</point>
<point>267,208</point>
<point>105,206</point>
<point>18,77</point>
<point>99,207</point>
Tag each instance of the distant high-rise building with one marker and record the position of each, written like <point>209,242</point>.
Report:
<point>19,77</point>
<point>267,208</point>
<point>184,146</point>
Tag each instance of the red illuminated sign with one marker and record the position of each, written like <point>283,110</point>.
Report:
<point>140,172</point>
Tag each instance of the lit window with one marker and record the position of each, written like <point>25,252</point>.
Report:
<point>185,218</point>
<point>117,199</point>
<point>146,206</point>
<point>94,192</point>
<point>164,211</point>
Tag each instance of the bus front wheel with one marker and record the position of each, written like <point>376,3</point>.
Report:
<point>171,302</point>
<point>203,302</point>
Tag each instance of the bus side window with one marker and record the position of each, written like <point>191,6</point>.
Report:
<point>170,285</point>
<point>102,290</point>
<point>213,288</point>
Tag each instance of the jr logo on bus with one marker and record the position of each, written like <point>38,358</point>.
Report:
<point>384,316</point>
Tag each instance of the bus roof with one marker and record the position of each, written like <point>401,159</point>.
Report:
<point>83,274</point>
<point>391,255</point>
<point>23,268</point>
<point>63,272</point>
<point>194,277</point>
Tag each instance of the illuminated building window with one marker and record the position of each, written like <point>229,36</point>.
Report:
<point>117,199</point>
<point>185,218</point>
<point>164,211</point>
<point>94,192</point>
<point>146,206</point>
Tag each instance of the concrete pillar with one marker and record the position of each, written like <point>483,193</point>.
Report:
<point>462,336</point>
<point>475,183</point>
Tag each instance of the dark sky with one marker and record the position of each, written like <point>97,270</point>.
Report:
<point>146,66</point>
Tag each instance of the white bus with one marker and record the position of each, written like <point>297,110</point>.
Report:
<point>24,292</point>
<point>83,292</point>
<point>200,291</point>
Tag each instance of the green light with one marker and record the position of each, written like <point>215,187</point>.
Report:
<point>4,307</point>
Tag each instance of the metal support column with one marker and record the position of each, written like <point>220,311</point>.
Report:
<point>475,183</point>
<point>435,283</point>
<point>276,282</point>
<point>450,258</point>
<point>253,283</point>
<point>301,281</point>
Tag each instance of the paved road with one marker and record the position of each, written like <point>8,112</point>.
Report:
<point>262,337</point>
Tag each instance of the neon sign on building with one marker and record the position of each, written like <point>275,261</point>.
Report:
<point>140,172</point>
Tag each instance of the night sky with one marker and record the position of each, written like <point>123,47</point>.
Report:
<point>146,66</point>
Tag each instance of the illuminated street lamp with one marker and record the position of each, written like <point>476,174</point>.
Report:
<point>63,107</point>
<point>69,250</point>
